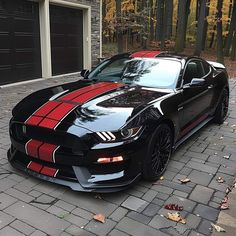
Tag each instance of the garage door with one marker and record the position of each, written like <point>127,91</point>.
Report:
<point>20,57</point>
<point>66,25</point>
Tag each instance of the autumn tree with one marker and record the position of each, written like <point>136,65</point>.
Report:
<point>232,29</point>
<point>183,13</point>
<point>220,56</point>
<point>200,28</point>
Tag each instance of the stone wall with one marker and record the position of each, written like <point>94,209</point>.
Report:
<point>95,27</point>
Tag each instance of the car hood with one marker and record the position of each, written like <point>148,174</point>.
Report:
<point>93,106</point>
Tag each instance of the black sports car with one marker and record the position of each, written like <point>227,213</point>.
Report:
<point>121,122</point>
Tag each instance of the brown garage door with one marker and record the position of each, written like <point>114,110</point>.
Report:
<point>20,57</point>
<point>66,25</point>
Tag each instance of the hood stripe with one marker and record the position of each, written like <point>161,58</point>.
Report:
<point>76,93</point>
<point>52,113</point>
<point>94,93</point>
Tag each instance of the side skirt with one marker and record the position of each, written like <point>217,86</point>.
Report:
<point>193,131</point>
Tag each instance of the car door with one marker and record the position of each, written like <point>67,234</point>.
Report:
<point>196,99</point>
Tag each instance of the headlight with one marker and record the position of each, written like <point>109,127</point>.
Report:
<point>129,133</point>
<point>110,136</point>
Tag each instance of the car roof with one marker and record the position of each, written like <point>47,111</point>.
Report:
<point>146,54</point>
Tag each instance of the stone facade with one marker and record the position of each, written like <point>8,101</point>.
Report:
<point>95,27</point>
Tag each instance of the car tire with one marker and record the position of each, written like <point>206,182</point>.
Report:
<point>222,108</point>
<point>158,153</point>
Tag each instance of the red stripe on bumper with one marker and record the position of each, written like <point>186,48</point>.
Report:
<point>61,111</point>
<point>49,171</point>
<point>48,123</point>
<point>46,108</point>
<point>93,93</point>
<point>76,93</point>
<point>31,147</point>
<point>47,151</point>
<point>34,120</point>
<point>34,166</point>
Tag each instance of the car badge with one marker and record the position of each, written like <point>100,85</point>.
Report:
<point>24,129</point>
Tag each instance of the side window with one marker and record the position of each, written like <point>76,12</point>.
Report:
<point>114,67</point>
<point>194,69</point>
<point>206,67</point>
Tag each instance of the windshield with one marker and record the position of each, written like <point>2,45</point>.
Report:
<point>156,72</point>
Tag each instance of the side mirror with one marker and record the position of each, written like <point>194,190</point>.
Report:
<point>195,82</point>
<point>84,73</point>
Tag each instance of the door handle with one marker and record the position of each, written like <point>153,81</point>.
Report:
<point>210,86</point>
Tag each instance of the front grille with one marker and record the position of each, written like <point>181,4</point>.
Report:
<point>48,136</point>
<point>65,172</point>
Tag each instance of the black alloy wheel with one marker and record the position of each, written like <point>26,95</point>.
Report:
<point>222,108</point>
<point>158,153</point>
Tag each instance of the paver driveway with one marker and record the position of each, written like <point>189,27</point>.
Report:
<point>32,207</point>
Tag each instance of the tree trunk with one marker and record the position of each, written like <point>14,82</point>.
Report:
<point>220,56</point>
<point>229,14</point>
<point>181,21</point>
<point>169,18</point>
<point>233,51</point>
<point>200,28</point>
<point>232,27</point>
<point>151,20</point>
<point>205,25</point>
<point>187,12</point>
<point>159,23</point>
<point>119,32</point>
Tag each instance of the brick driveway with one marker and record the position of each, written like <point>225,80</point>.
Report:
<point>32,207</point>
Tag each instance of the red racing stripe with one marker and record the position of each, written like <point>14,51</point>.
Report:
<point>46,108</point>
<point>49,171</point>
<point>152,54</point>
<point>48,123</point>
<point>42,112</point>
<point>94,93</point>
<point>61,111</point>
<point>34,166</point>
<point>34,120</point>
<point>32,146</point>
<point>47,152</point>
<point>76,93</point>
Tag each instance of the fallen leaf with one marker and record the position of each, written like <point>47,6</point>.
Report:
<point>174,207</point>
<point>97,196</point>
<point>220,179</point>
<point>228,190</point>
<point>225,199</point>
<point>224,206</point>
<point>99,217</point>
<point>217,228</point>
<point>184,181</point>
<point>176,217</point>
<point>162,177</point>
<point>226,157</point>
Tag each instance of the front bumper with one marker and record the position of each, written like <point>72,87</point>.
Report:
<point>86,175</point>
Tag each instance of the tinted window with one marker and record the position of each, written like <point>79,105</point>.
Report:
<point>194,69</point>
<point>159,73</point>
<point>206,67</point>
<point>108,68</point>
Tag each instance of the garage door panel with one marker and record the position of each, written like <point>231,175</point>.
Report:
<point>4,41</point>
<point>24,41</point>
<point>24,25</point>
<point>66,27</point>
<point>20,57</point>
<point>5,58</point>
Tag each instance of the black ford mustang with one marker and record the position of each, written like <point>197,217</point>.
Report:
<point>121,122</point>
